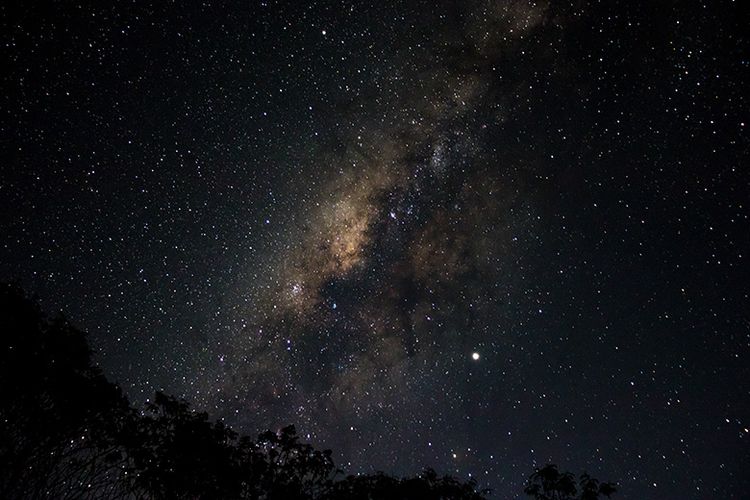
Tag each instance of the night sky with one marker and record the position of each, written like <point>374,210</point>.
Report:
<point>473,235</point>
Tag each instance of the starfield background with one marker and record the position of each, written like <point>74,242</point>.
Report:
<point>473,235</point>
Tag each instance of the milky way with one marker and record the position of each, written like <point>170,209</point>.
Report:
<point>398,267</point>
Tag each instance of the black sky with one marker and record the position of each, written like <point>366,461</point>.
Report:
<point>317,212</point>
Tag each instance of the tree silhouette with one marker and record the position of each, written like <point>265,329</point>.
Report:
<point>292,469</point>
<point>548,483</point>
<point>60,415</point>
<point>427,485</point>
<point>67,432</point>
<point>178,453</point>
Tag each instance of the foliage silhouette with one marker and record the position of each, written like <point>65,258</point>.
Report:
<point>427,486</point>
<point>60,415</point>
<point>67,432</point>
<point>548,483</point>
<point>177,453</point>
